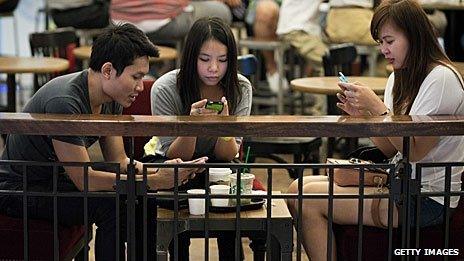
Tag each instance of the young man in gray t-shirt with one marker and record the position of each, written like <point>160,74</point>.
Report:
<point>118,62</point>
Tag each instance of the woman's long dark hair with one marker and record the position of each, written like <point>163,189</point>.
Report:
<point>188,81</point>
<point>424,50</point>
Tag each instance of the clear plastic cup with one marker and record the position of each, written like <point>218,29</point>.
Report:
<point>246,186</point>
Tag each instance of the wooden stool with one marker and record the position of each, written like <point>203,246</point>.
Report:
<point>372,53</point>
<point>86,35</point>
<point>278,47</point>
<point>15,29</point>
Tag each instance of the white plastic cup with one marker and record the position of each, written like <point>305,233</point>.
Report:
<point>196,205</point>
<point>219,176</point>
<point>219,189</point>
<point>246,187</point>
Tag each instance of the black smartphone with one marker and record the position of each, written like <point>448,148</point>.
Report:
<point>215,105</point>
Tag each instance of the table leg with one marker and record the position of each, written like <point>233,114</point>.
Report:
<point>11,85</point>
<point>280,93</point>
<point>372,59</point>
<point>332,109</point>
<point>282,230</point>
<point>258,245</point>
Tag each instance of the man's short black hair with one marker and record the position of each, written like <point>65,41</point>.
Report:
<point>120,44</point>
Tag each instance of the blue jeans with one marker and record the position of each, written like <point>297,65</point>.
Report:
<point>431,213</point>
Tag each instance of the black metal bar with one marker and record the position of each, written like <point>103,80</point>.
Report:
<point>330,215</point>
<point>207,200</point>
<point>299,219</point>
<point>56,250</point>
<point>176,213</point>
<point>145,213</point>
<point>448,174</point>
<point>86,210</point>
<point>418,211</point>
<point>11,84</point>
<point>360,212</point>
<point>238,239</point>
<point>131,212</point>
<point>25,213</point>
<point>269,215</point>
<point>143,195</point>
<point>391,199</point>
<point>406,209</point>
<point>117,202</point>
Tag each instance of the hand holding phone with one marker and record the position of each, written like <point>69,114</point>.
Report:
<point>215,105</point>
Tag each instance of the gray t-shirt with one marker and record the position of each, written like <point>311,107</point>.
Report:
<point>68,94</point>
<point>165,100</point>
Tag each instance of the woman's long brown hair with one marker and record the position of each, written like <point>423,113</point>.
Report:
<point>188,81</point>
<point>424,50</point>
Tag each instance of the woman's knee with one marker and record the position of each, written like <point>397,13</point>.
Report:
<point>293,188</point>
<point>212,8</point>
<point>267,10</point>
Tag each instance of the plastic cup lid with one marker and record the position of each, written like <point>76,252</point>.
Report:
<point>220,170</point>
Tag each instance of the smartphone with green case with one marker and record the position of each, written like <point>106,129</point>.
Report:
<point>215,105</point>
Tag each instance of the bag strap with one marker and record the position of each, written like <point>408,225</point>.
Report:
<point>375,213</point>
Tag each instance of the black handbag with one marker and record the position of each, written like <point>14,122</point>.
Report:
<point>96,15</point>
<point>369,153</point>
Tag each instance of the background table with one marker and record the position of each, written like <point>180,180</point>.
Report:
<point>252,223</point>
<point>165,53</point>
<point>13,65</point>
<point>329,85</point>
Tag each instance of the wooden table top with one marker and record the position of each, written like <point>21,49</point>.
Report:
<point>279,210</point>
<point>32,64</point>
<point>165,53</point>
<point>243,126</point>
<point>459,67</point>
<point>328,85</point>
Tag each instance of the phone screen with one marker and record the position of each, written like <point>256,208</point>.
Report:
<point>342,77</point>
<point>215,105</point>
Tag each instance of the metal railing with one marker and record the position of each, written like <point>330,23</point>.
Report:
<point>402,187</point>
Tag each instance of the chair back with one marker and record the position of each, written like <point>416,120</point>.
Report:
<point>339,59</point>
<point>247,64</point>
<point>141,106</point>
<point>262,98</point>
<point>59,43</point>
<point>8,6</point>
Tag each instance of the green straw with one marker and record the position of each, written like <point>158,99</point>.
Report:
<point>246,158</point>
